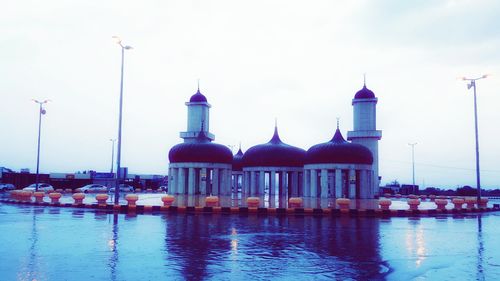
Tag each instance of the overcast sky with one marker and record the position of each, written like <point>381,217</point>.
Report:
<point>299,61</point>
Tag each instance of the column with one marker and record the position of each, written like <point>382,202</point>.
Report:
<point>324,183</point>
<point>203,181</point>
<point>215,182</point>
<point>172,181</point>
<point>181,181</point>
<point>262,182</point>
<point>295,184</point>
<point>253,183</point>
<point>272,182</point>
<point>338,183</point>
<point>314,183</point>
<point>352,184</point>
<point>191,181</point>
<point>284,189</point>
<point>246,184</point>
<point>229,179</point>
<point>223,182</point>
<point>307,183</point>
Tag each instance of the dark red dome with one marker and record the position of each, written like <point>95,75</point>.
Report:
<point>202,151</point>
<point>238,161</point>
<point>198,97</point>
<point>338,151</point>
<point>275,153</point>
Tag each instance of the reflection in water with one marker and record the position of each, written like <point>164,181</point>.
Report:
<point>415,241</point>
<point>112,244</point>
<point>200,246</point>
<point>480,249</point>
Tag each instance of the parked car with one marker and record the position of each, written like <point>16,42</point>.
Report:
<point>163,188</point>
<point>93,188</point>
<point>41,187</point>
<point>123,188</point>
<point>6,186</point>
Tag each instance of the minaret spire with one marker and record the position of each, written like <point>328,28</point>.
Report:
<point>198,85</point>
<point>364,79</point>
<point>338,122</point>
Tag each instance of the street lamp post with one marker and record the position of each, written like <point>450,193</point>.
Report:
<point>40,113</point>
<point>119,147</point>
<point>413,160</point>
<point>472,84</point>
<point>112,153</point>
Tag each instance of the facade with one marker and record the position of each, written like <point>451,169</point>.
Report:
<point>333,169</point>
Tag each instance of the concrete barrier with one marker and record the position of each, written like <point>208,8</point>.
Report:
<point>413,203</point>
<point>441,204</point>
<point>167,200</point>
<point>131,199</point>
<point>39,196</point>
<point>78,197</point>
<point>343,203</point>
<point>212,201</point>
<point>101,199</point>
<point>384,204</point>
<point>295,202</point>
<point>458,202</point>
<point>483,203</point>
<point>470,201</point>
<point>253,202</point>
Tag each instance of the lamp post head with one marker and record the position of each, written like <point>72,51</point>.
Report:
<point>117,39</point>
<point>127,47</point>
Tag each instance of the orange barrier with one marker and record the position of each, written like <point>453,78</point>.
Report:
<point>101,198</point>
<point>343,203</point>
<point>470,201</point>
<point>131,199</point>
<point>39,196</point>
<point>458,202</point>
<point>413,203</point>
<point>78,197</point>
<point>441,204</point>
<point>483,202</point>
<point>168,200</point>
<point>295,202</point>
<point>384,204</point>
<point>253,202</point>
<point>54,197</point>
<point>211,201</point>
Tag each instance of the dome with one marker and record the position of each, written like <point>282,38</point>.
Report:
<point>338,151</point>
<point>238,161</point>
<point>364,93</point>
<point>202,151</point>
<point>198,97</point>
<point>275,153</point>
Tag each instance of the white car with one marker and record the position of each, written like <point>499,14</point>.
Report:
<point>6,186</point>
<point>41,187</point>
<point>123,188</point>
<point>93,188</point>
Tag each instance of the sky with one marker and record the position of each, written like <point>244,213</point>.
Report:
<point>298,61</point>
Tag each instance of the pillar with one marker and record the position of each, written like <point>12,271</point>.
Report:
<point>324,183</point>
<point>262,183</point>
<point>272,182</point>
<point>181,187</point>
<point>246,183</point>
<point>253,183</point>
<point>215,182</point>
<point>352,184</point>
<point>172,181</point>
<point>307,183</point>
<point>203,182</point>
<point>338,183</point>
<point>314,183</point>
<point>191,181</point>
<point>295,184</point>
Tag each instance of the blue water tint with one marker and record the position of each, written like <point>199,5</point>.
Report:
<point>46,243</point>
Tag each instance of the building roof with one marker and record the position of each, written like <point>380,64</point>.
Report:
<point>364,93</point>
<point>338,151</point>
<point>198,97</point>
<point>201,151</point>
<point>238,161</point>
<point>274,153</point>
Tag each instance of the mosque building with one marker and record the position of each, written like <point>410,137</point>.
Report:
<point>333,169</point>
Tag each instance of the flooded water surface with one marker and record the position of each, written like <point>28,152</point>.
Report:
<point>46,243</point>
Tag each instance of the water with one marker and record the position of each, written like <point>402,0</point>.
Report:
<point>73,244</point>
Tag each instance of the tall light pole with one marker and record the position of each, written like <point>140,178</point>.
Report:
<point>472,84</point>
<point>413,160</point>
<point>112,153</point>
<point>119,147</point>
<point>40,113</point>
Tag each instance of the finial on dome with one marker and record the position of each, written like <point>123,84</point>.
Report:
<point>364,79</point>
<point>338,121</point>
<point>276,137</point>
<point>198,85</point>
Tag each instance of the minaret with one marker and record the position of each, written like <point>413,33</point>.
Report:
<point>365,127</point>
<point>198,118</point>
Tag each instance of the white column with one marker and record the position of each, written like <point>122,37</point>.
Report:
<point>314,183</point>
<point>191,181</point>
<point>352,184</point>
<point>172,181</point>
<point>203,183</point>
<point>307,183</point>
<point>229,179</point>
<point>324,183</point>
<point>253,183</point>
<point>223,182</point>
<point>262,182</point>
<point>215,182</point>
<point>338,183</point>
<point>181,181</point>
<point>295,184</point>
<point>272,182</point>
<point>246,183</point>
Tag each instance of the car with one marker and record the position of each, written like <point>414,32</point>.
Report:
<point>41,187</point>
<point>123,188</point>
<point>163,188</point>
<point>90,188</point>
<point>6,186</point>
